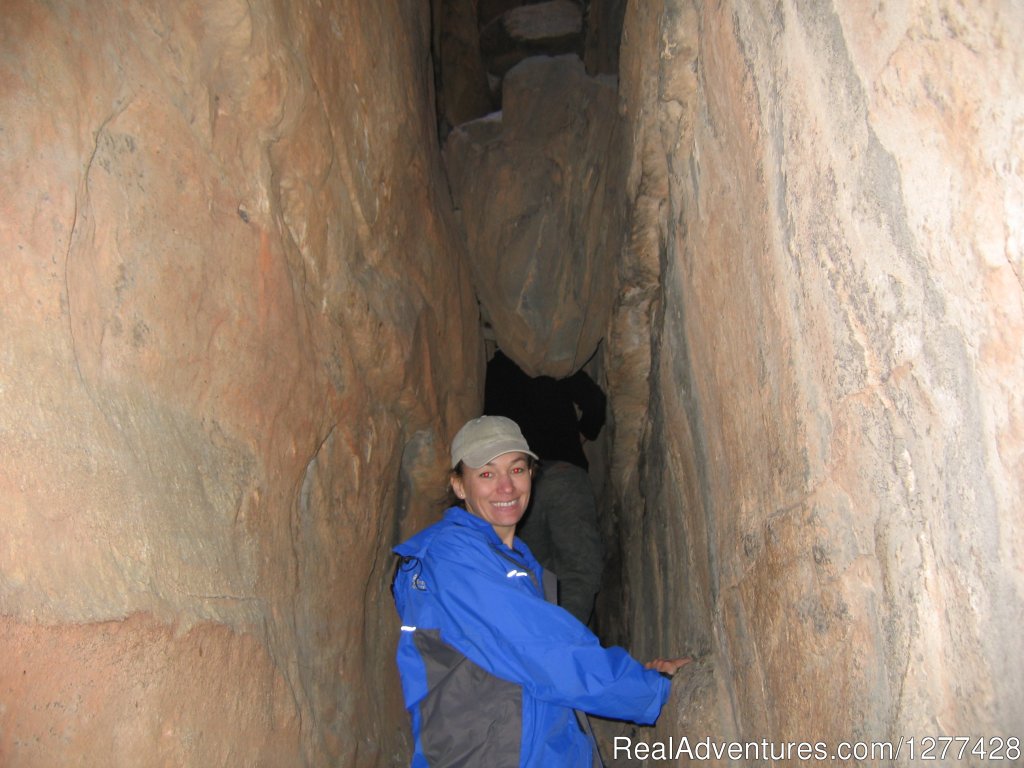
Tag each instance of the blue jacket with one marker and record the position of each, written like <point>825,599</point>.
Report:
<point>491,672</point>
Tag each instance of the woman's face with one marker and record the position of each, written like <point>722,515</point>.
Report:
<point>498,492</point>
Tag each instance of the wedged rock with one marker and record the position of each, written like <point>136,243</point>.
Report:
<point>539,204</point>
<point>550,28</point>
<point>488,10</point>
<point>544,23</point>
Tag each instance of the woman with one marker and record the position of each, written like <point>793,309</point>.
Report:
<point>491,671</point>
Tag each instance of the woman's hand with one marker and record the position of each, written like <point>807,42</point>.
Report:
<point>667,667</point>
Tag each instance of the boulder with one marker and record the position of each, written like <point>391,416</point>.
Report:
<point>538,190</point>
<point>549,28</point>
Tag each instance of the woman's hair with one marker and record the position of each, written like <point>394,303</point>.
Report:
<point>451,500</point>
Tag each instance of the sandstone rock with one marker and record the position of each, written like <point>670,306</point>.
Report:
<point>542,231</point>
<point>138,692</point>
<point>488,10</point>
<point>237,329</point>
<point>236,335</point>
<point>548,28</point>
<point>822,415</point>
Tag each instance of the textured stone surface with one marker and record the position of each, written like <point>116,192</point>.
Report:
<point>488,10</point>
<point>816,365</point>
<point>538,191</point>
<point>548,28</point>
<point>236,336</point>
<point>138,692</point>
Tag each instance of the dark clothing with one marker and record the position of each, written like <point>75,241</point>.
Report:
<point>561,525</point>
<point>561,530</point>
<point>545,408</point>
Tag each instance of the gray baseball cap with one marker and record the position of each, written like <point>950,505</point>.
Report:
<point>483,439</point>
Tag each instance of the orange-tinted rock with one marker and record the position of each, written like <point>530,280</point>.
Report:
<point>236,336</point>
<point>817,461</point>
<point>139,692</point>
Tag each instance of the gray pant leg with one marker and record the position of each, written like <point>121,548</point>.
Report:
<point>561,530</point>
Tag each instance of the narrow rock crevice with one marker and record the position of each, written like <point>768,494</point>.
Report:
<point>257,254</point>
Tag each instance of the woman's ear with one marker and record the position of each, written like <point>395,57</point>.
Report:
<point>457,488</point>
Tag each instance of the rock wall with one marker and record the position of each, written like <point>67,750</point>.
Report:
<point>236,336</point>
<point>238,332</point>
<point>816,355</point>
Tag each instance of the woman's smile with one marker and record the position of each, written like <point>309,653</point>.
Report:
<point>499,491</point>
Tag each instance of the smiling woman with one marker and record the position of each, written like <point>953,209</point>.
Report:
<point>492,673</point>
<point>499,491</point>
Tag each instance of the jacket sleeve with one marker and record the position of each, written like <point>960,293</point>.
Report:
<point>514,634</point>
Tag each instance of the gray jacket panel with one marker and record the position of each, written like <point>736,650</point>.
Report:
<point>470,718</point>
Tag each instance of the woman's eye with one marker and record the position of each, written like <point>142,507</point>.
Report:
<point>486,475</point>
<point>517,470</point>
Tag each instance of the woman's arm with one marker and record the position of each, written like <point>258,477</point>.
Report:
<point>502,624</point>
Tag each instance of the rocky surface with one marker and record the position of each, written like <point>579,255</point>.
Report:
<point>548,28</point>
<point>816,368</point>
<point>537,188</point>
<point>237,330</point>
<point>236,337</point>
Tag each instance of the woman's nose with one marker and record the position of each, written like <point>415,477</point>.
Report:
<point>504,481</point>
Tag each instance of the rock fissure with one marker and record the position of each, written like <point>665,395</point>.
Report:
<point>288,256</point>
